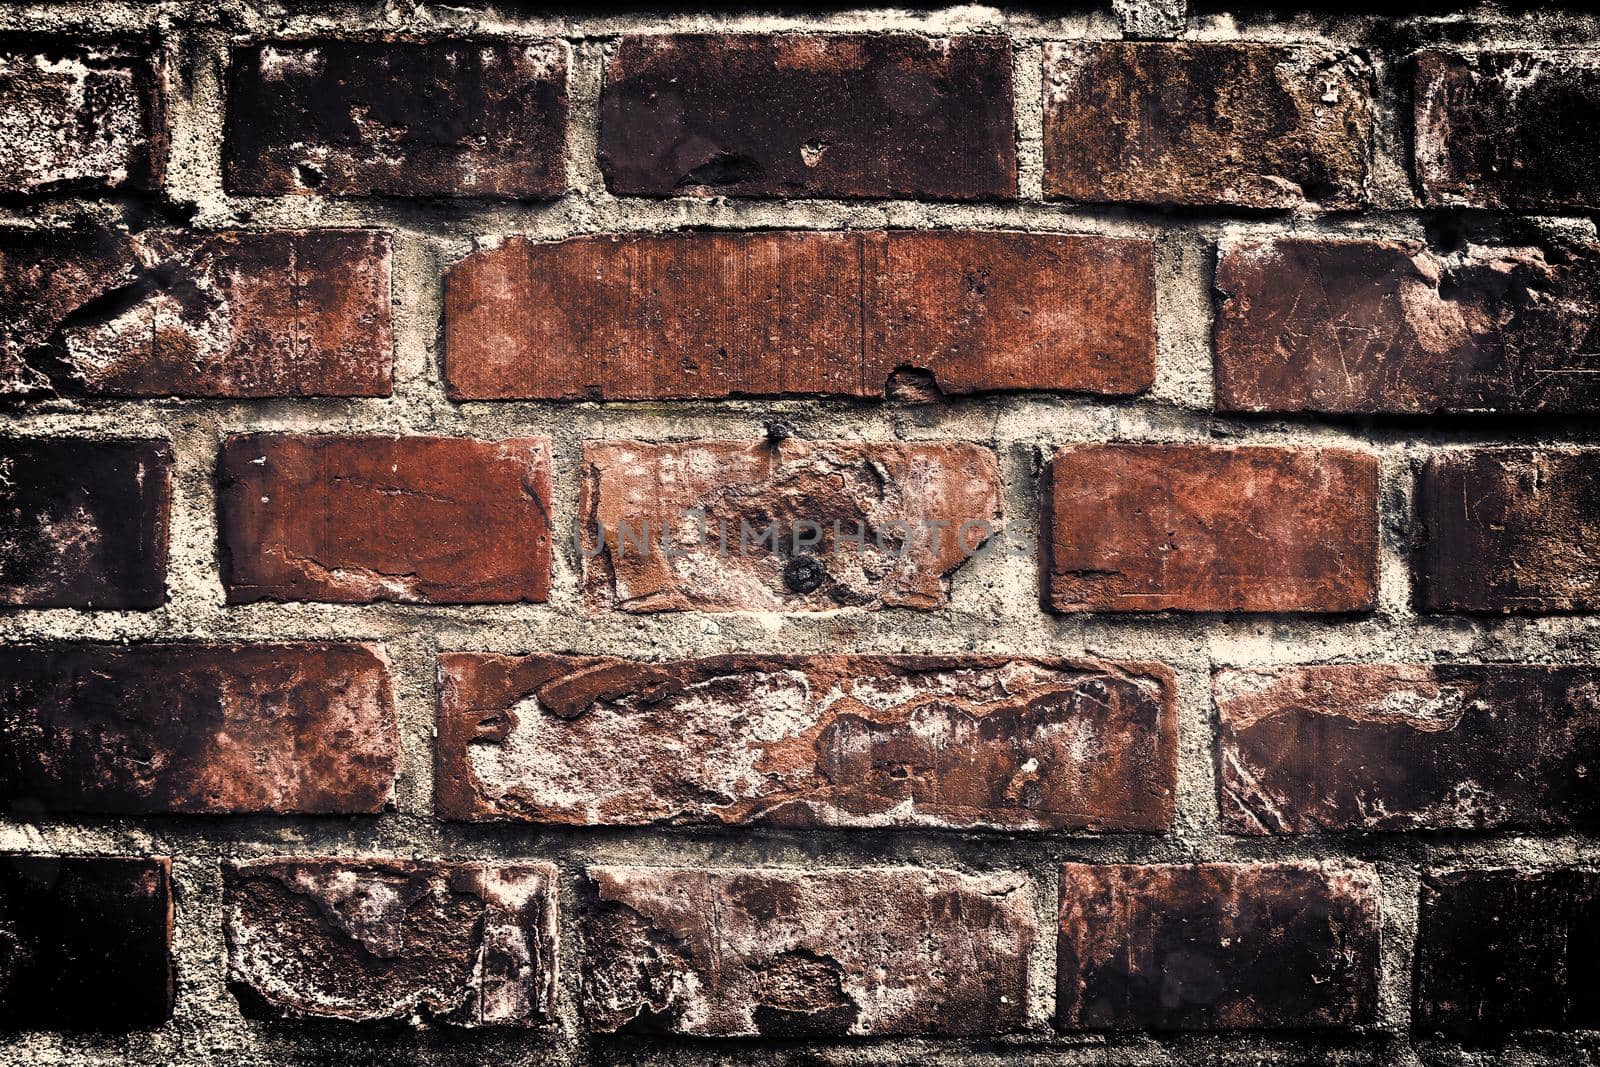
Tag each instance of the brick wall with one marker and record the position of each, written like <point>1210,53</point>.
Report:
<point>1195,659</point>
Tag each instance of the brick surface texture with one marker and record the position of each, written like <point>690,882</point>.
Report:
<point>593,535</point>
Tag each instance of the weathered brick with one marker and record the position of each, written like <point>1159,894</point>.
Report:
<point>1509,530</point>
<point>83,524</point>
<point>980,741</point>
<point>421,520</point>
<point>1389,327</point>
<point>196,728</point>
<point>1202,528</point>
<point>1502,950</point>
<point>813,115</point>
<point>709,501</point>
<point>78,116</point>
<point>1508,128</point>
<point>166,313</point>
<point>1378,747</point>
<point>705,315</point>
<point>467,116</point>
<point>87,942</point>
<point>372,940</point>
<point>1216,946</point>
<point>1207,124</point>
<point>783,953</point>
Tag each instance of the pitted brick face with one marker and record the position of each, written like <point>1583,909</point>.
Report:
<point>711,315</point>
<point>419,520</point>
<point>464,944</point>
<point>471,116</point>
<point>855,741</point>
<point>84,523</point>
<point>1504,950</point>
<point>167,313</point>
<point>1216,124</point>
<point>196,729</point>
<point>813,115</point>
<point>1200,528</point>
<point>710,501</point>
<point>1407,747</point>
<point>78,117</point>
<point>1391,327</point>
<point>1216,946</point>
<point>1510,128</point>
<point>1509,530</point>
<point>871,951</point>
<point>88,942</point>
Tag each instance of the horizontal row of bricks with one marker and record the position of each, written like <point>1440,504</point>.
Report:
<point>1343,326</point>
<point>717,525</point>
<point>955,742</point>
<point>1232,123</point>
<point>868,951</point>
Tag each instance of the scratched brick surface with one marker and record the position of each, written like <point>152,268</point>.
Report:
<point>785,953</point>
<point>708,315</point>
<point>709,502</point>
<point>242,314</point>
<point>789,741</point>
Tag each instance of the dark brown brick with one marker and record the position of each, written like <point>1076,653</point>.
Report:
<point>710,501</point>
<point>1501,950</point>
<point>706,315</point>
<point>196,728</point>
<point>83,524</point>
<point>813,115</point>
<point>371,940</point>
<point>1378,747</point>
<point>469,116</point>
<point>792,954</point>
<point>1216,946</point>
<point>240,314</point>
<point>78,116</point>
<point>1203,528</point>
<point>87,942</point>
<point>1207,124</point>
<point>1509,530</point>
<point>1389,327</point>
<point>954,742</point>
<point>421,520</point>
<point>1508,128</point>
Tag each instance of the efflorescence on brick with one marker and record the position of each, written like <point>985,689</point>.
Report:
<point>872,536</point>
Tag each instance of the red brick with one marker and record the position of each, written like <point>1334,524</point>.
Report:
<point>954,742</point>
<point>78,116</point>
<point>1389,327</point>
<point>1207,124</point>
<point>813,115</point>
<point>1202,528</point>
<point>719,952</point>
<point>1379,747</point>
<point>238,314</point>
<point>88,942</point>
<point>1216,946</point>
<point>83,524</point>
<point>760,485</point>
<point>371,940</point>
<point>707,315</point>
<point>196,728</point>
<point>422,520</point>
<point>464,116</point>
<point>1501,950</point>
<point>1510,128</point>
<point>1509,530</point>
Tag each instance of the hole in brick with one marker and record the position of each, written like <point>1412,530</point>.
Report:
<point>913,385</point>
<point>308,176</point>
<point>725,168</point>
